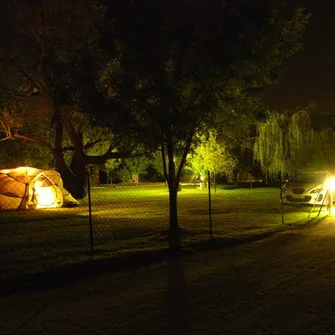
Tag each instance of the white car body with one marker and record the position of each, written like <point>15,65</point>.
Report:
<point>308,188</point>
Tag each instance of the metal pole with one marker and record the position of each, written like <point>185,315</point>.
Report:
<point>323,202</point>
<point>90,212</point>
<point>209,203</point>
<point>281,200</point>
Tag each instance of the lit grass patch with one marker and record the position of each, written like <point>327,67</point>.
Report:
<point>136,219</point>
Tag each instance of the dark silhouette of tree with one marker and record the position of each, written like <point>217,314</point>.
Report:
<point>176,67</point>
<point>43,58</point>
<point>153,73</point>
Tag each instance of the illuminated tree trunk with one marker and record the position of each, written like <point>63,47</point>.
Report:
<point>96,175</point>
<point>74,176</point>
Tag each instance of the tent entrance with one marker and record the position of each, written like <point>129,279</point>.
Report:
<point>44,193</point>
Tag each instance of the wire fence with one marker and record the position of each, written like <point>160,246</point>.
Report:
<point>45,228</point>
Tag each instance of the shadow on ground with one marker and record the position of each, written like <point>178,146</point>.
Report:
<point>70,274</point>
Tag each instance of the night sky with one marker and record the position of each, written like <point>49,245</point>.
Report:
<point>310,75</point>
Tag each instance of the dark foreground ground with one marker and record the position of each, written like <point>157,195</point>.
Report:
<point>281,285</point>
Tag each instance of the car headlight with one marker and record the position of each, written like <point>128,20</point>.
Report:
<point>331,184</point>
<point>316,190</point>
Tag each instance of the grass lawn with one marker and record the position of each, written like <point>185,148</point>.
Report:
<point>133,219</point>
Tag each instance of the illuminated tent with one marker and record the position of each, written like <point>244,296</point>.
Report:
<point>26,187</point>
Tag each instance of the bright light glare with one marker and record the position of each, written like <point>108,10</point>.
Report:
<point>331,184</point>
<point>46,196</point>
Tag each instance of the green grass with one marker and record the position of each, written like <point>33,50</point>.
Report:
<point>130,219</point>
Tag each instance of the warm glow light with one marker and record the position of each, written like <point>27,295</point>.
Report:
<point>46,196</point>
<point>331,184</point>
<point>5,171</point>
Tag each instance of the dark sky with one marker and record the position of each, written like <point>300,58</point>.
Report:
<point>310,75</point>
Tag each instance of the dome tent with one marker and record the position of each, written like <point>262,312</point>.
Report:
<point>30,188</point>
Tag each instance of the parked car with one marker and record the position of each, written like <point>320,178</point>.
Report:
<point>310,188</point>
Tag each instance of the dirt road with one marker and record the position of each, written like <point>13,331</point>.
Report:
<point>282,285</point>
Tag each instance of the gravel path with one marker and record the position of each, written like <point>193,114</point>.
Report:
<point>281,285</point>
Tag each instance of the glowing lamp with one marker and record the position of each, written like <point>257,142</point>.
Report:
<point>46,196</point>
<point>331,184</point>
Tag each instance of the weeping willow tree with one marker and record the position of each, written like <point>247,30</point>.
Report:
<point>286,142</point>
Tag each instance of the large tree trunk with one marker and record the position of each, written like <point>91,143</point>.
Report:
<point>173,182</point>
<point>75,175</point>
<point>173,192</point>
<point>96,175</point>
<point>74,184</point>
<point>173,175</point>
<point>174,230</point>
<point>78,169</point>
<point>73,180</point>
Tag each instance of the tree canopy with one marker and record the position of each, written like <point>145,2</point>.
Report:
<point>211,155</point>
<point>44,58</point>
<point>154,72</point>
<point>178,66</point>
<point>287,143</point>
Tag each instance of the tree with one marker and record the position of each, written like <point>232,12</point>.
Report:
<point>178,66</point>
<point>136,166</point>
<point>22,153</point>
<point>211,155</point>
<point>286,143</point>
<point>44,58</point>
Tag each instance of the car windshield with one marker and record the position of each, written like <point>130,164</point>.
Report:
<point>309,178</point>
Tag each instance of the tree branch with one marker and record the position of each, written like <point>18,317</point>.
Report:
<point>31,139</point>
<point>17,95</point>
<point>73,134</point>
<point>164,159</point>
<point>186,151</point>
<point>27,76</point>
<point>102,159</point>
<point>68,148</point>
<point>90,145</point>
<point>5,129</point>
<point>6,138</point>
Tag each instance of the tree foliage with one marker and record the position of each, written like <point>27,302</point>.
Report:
<point>135,166</point>
<point>188,65</point>
<point>43,60</point>
<point>211,155</point>
<point>155,71</point>
<point>287,142</point>
<point>21,153</point>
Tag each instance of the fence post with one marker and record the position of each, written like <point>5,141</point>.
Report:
<point>281,200</point>
<point>209,203</point>
<point>90,212</point>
